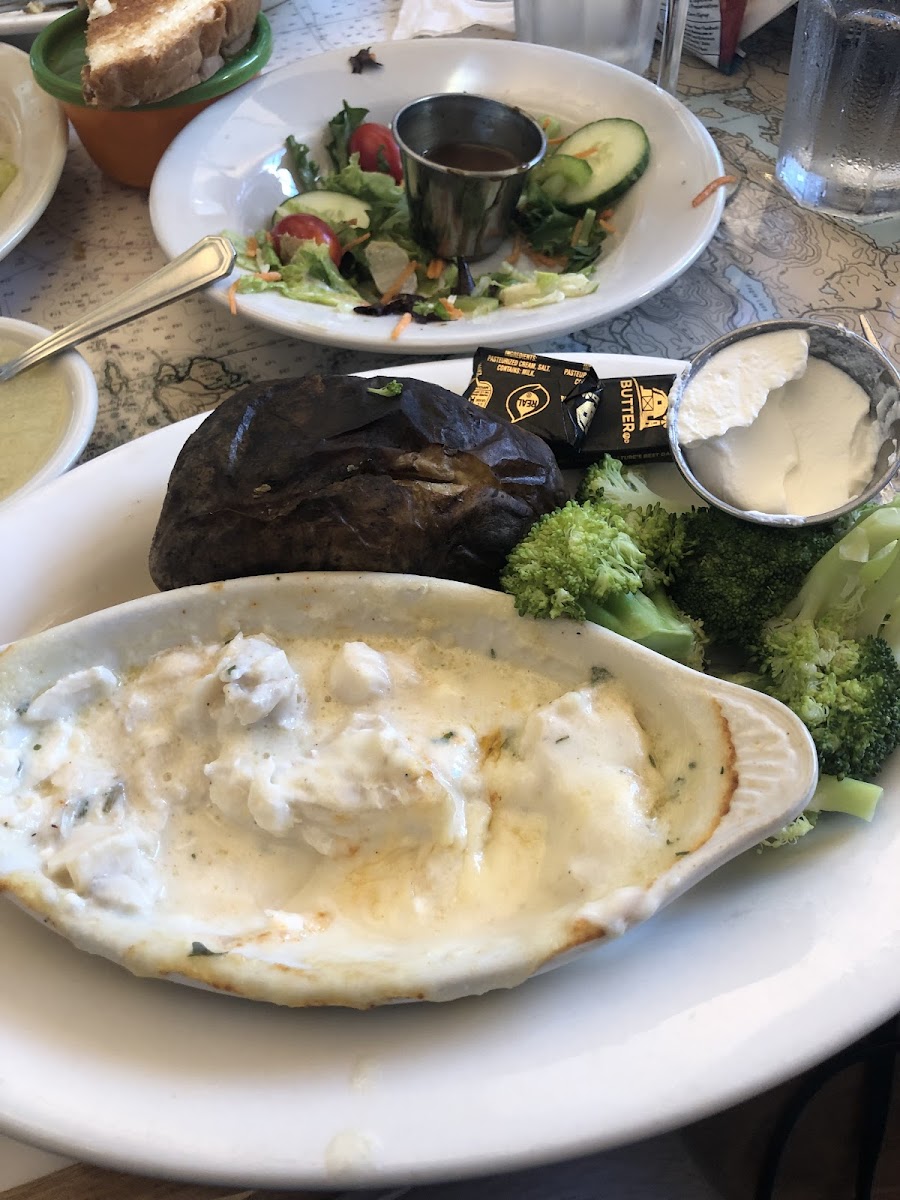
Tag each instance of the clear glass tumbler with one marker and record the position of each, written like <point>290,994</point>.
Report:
<point>618,31</point>
<point>840,140</point>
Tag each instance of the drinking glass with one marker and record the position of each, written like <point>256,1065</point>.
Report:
<point>840,140</point>
<point>618,31</point>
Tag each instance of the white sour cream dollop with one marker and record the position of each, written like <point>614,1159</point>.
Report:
<point>770,430</point>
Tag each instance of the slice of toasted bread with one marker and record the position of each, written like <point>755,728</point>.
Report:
<point>142,51</point>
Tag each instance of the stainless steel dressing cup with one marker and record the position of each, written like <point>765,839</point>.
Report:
<point>866,364</point>
<point>456,210</point>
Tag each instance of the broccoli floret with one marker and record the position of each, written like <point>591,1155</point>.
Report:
<point>734,575</point>
<point>654,523</point>
<point>792,832</point>
<point>825,658</point>
<point>611,480</point>
<point>581,561</point>
<point>573,555</point>
<point>846,692</point>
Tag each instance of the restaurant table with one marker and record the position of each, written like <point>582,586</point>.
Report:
<point>768,259</point>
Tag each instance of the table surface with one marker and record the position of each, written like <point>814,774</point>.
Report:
<point>768,259</point>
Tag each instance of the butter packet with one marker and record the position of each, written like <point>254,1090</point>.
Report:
<point>552,398</point>
<point>630,422</point>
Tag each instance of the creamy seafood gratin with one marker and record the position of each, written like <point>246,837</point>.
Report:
<point>311,787</point>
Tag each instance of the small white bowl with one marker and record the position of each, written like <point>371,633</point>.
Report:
<point>81,388</point>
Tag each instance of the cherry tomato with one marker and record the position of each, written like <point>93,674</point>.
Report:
<point>304,227</point>
<point>376,148</point>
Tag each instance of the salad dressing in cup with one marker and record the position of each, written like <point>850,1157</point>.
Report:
<point>465,159</point>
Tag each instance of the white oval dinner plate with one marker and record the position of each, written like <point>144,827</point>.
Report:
<point>34,136</point>
<point>769,965</point>
<point>225,171</point>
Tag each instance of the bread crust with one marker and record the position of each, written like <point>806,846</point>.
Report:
<point>163,64</point>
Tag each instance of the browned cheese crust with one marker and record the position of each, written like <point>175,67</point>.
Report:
<point>168,65</point>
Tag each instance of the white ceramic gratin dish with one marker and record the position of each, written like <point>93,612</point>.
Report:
<point>732,733</point>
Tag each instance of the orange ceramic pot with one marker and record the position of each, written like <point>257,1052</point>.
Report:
<point>127,143</point>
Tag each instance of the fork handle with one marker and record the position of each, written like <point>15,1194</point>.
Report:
<point>201,264</point>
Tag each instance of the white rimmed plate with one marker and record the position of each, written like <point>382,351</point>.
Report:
<point>34,136</point>
<point>224,172</point>
<point>766,967</point>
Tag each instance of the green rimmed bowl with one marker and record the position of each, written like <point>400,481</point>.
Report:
<point>127,143</point>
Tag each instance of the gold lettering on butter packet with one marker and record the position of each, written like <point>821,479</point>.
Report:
<point>525,401</point>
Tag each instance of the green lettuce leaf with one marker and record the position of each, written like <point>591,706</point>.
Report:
<point>340,128</point>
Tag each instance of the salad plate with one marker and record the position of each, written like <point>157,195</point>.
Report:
<point>227,172</point>
<point>34,138</point>
<point>769,965</point>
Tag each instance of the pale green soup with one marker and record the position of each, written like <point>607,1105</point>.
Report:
<point>34,414</point>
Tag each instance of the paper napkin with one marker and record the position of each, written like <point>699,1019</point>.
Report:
<point>436,18</point>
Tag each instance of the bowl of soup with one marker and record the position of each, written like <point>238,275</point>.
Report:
<point>47,413</point>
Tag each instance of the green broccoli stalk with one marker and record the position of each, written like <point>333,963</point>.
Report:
<point>858,579</point>
<point>581,561</point>
<point>852,796</point>
<point>856,797</point>
<point>653,620</point>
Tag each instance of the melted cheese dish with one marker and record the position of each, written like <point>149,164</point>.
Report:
<point>394,788</point>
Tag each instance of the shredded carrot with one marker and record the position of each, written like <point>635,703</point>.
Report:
<point>586,153</point>
<point>232,298</point>
<point>607,225</point>
<point>394,290</point>
<point>434,269</point>
<point>713,186</point>
<point>269,237</point>
<point>557,141</point>
<point>252,246</point>
<point>451,310</point>
<point>405,320</point>
<point>576,232</point>
<point>606,214</point>
<point>516,253</point>
<point>363,237</point>
<point>546,123</point>
<point>268,276</point>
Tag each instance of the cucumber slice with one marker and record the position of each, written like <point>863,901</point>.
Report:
<point>616,150</point>
<point>561,173</point>
<point>335,208</point>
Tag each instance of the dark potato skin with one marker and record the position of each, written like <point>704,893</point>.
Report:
<point>321,474</point>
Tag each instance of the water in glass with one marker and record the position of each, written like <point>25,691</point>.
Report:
<point>840,141</point>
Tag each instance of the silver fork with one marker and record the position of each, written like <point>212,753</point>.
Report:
<point>203,263</point>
